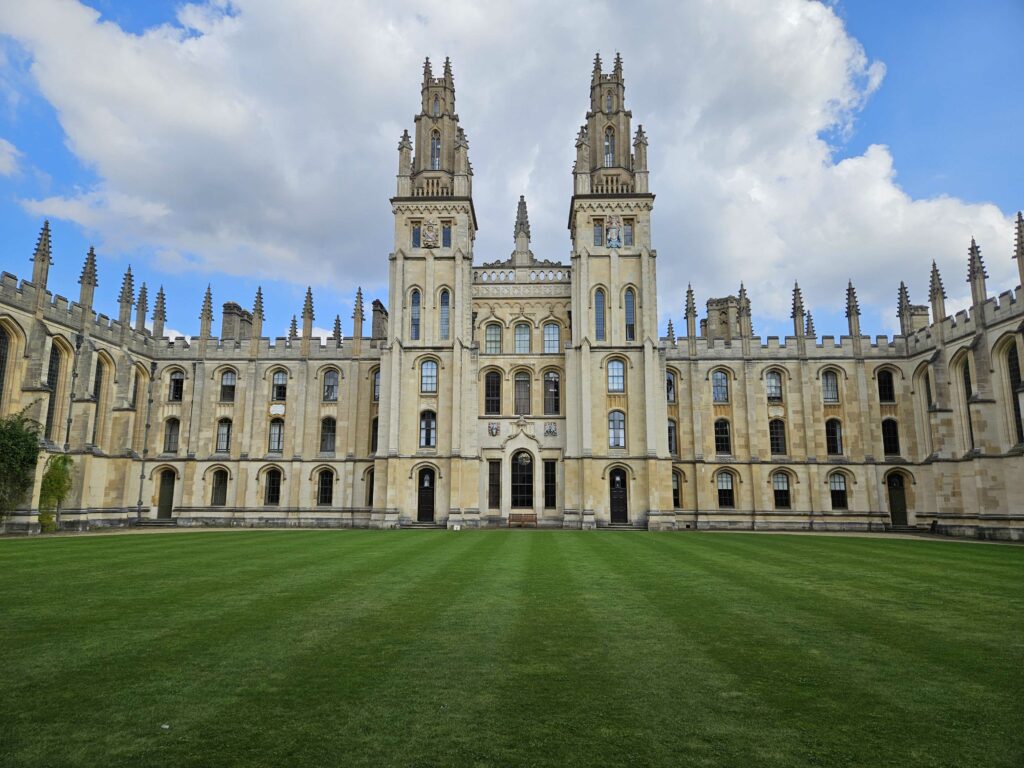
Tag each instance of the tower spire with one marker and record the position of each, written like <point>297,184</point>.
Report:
<point>88,279</point>
<point>159,313</point>
<point>522,256</point>
<point>596,76</point>
<point>1018,249</point>
<point>522,219</point>
<point>852,310</point>
<point>42,258</point>
<point>126,298</point>
<point>798,311</point>
<point>937,294</point>
<point>141,308</point>
<point>809,328</point>
<point>976,274</point>
<point>337,331</point>
<point>257,317</point>
<point>357,322</point>
<point>293,329</point>
<point>671,332</point>
<point>206,314</point>
<point>691,313</point>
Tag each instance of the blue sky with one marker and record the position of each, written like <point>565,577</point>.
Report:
<point>948,109</point>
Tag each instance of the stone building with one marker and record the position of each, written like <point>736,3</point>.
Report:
<point>522,390</point>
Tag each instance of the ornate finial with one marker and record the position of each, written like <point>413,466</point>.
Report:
<point>798,302</point>
<point>640,140</point>
<point>127,295</point>
<point>207,311</point>
<point>671,332</point>
<point>160,308</point>
<point>293,329</point>
<point>405,142</point>
<point>617,68</point>
<point>357,309</point>
<point>809,330</point>
<point>257,306</point>
<point>428,73</point>
<point>88,276</point>
<point>337,330</point>
<point>935,286</point>
<point>1018,250</point>
<point>43,251</point>
<point>522,219</point>
<point>902,300</point>
<point>975,265</point>
<point>448,69</point>
<point>691,305</point>
<point>597,65</point>
<point>142,305</point>
<point>307,305</point>
<point>744,300</point>
<point>852,307</point>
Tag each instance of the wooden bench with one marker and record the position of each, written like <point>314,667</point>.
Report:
<point>522,520</point>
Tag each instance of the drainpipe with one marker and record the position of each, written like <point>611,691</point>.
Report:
<point>145,440</point>
<point>71,394</point>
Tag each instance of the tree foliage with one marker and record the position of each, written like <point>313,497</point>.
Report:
<point>19,452</point>
<point>54,489</point>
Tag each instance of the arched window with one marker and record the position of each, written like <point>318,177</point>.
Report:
<point>599,314</point>
<point>676,493</point>
<point>376,385</point>
<point>428,429</point>
<point>927,386</point>
<point>414,316</point>
<point>616,429</point>
<point>435,151</point>
<point>275,439</point>
<point>135,390</point>
<point>630,315</point>
<point>670,387</point>
<point>219,495</point>
<point>223,435</point>
<point>720,387</point>
<point>325,488</point>
<point>780,490</point>
<point>97,394</point>
<point>492,393</point>
<point>522,480</point>
<point>5,343</point>
<point>608,102</point>
<point>830,387</point>
<point>330,386</point>
<point>436,110</point>
<point>522,337</point>
<point>834,437</point>
<point>723,438</point>
<point>444,321</point>
<point>886,387</point>
<point>837,489</point>
<point>777,436</point>
<point>228,380</point>
<point>552,394</point>
<point>428,376</point>
<point>279,386</point>
<point>552,338</point>
<point>965,373</point>
<point>726,497</point>
<point>1013,378</point>
<point>522,393</point>
<point>773,386</point>
<point>328,433</point>
<point>616,376</point>
<point>609,147</point>
<point>172,431</point>
<point>890,438</point>
<point>369,488</point>
<point>272,487</point>
<point>176,389</point>
<point>53,373</point>
<point>673,437</point>
<point>373,436</point>
<point>492,339</point>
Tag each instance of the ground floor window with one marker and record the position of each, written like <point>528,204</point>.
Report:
<point>550,484</point>
<point>780,489</point>
<point>219,497</point>
<point>726,499</point>
<point>522,480</point>
<point>272,488</point>
<point>325,488</point>
<point>837,488</point>
<point>494,484</point>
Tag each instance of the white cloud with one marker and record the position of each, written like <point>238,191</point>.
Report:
<point>256,142</point>
<point>8,158</point>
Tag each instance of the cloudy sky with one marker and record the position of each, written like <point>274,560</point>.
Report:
<point>252,142</point>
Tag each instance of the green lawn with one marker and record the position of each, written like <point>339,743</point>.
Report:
<point>494,648</point>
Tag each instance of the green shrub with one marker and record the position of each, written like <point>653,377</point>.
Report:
<point>19,452</point>
<point>54,489</point>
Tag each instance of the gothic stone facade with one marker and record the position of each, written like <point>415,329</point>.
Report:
<point>524,390</point>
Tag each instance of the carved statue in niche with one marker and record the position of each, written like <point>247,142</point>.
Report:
<point>614,232</point>
<point>430,233</point>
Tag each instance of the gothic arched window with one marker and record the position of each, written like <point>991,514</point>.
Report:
<point>428,376</point>
<point>616,429</point>
<point>172,430</point>
<point>437,107</point>
<point>492,393</point>
<point>608,102</point>
<point>53,374</point>
<point>223,435</point>
<point>279,386</point>
<point>328,433</point>
<point>272,488</point>
<point>726,497</point>
<point>325,488</point>
<point>777,436</point>
<point>428,429</point>
<point>435,151</point>
<point>780,490</point>
<point>228,380</point>
<point>4,347</point>
<point>599,314</point>
<point>552,394</point>
<point>445,317</point>
<point>886,387</point>
<point>773,385</point>
<point>414,316</point>
<point>521,394</point>
<point>830,387</point>
<point>837,490</point>
<point>1013,377</point>
<point>630,315</point>
<point>834,437</point>
<point>723,438</point>
<point>219,497</point>
<point>609,147</point>
<point>330,386</point>
<point>720,387</point>
<point>616,376</point>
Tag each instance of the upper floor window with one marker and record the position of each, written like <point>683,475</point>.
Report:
<point>609,147</point>
<point>723,438</point>
<point>522,339</point>
<point>627,232</point>
<point>670,388</point>
<point>53,376</point>
<point>492,339</point>
<point>552,338</point>
<point>492,393</point>
<point>414,316</point>
<point>330,386</point>
<point>172,429</point>
<point>927,386</point>
<point>279,386</point>
<point>522,393</point>
<point>177,387</point>
<point>890,437</point>
<point>673,438</point>
<point>608,102</point>
<point>886,388</point>
<point>834,437</point>
<point>428,376</point>
<point>830,387</point>
<point>1013,378</point>
<point>552,394</point>
<point>616,429</point>
<point>599,314</point>
<point>720,387</point>
<point>777,436</point>
<point>435,151</point>
<point>223,435</point>
<point>417,234</point>
<point>773,385</point>
<point>328,434</point>
<point>445,316</point>
<point>630,315</point>
<point>598,232</point>
<point>373,435</point>
<point>436,109</point>
<point>227,386</point>
<point>275,437</point>
<point>968,393</point>
<point>428,429</point>
<point>616,376</point>
<point>446,235</point>
<point>376,385</point>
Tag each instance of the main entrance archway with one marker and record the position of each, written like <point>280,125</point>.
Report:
<point>425,496</point>
<point>618,496</point>
<point>165,503</point>
<point>897,498</point>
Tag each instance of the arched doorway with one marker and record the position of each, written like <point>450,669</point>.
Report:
<point>618,497</point>
<point>165,504</point>
<point>425,496</point>
<point>897,499</point>
<point>522,480</point>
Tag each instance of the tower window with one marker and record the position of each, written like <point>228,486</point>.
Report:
<point>227,386</point>
<point>723,439</point>
<point>445,317</point>
<point>171,431</point>
<point>416,234</point>
<point>777,436</point>
<point>616,429</point>
<point>675,491</point>
<point>275,440</point>
<point>446,235</point>
<point>435,151</point>
<point>834,437</point>
<point>890,438</point>
<point>177,387</point>
<point>673,438</point>
<point>598,232</point>
<point>436,112</point>
<point>616,376</point>
<point>886,388</point>
<point>837,489</point>
<point>773,384</point>
<point>53,374</point>
<point>552,337</point>
<point>609,147</point>
<point>279,386</point>
<point>830,387</point>
<point>1013,377</point>
<point>428,429</point>
<point>608,102</point>
<point>627,232</point>
<point>223,435</point>
<point>373,436</point>
<point>331,386</point>
<point>599,314</point>
<point>630,315</point>
<point>492,393</point>
<point>719,387</point>
<point>670,387</point>
<point>428,377</point>
<point>328,432</point>
<point>376,385</point>
<point>414,316</point>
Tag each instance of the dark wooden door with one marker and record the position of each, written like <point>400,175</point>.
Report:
<point>425,504</point>
<point>897,499</point>
<point>617,493</point>
<point>166,503</point>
